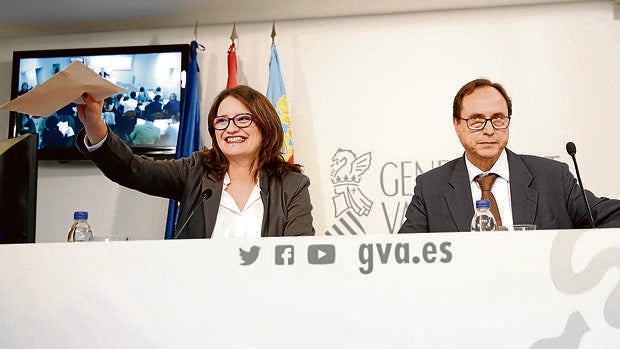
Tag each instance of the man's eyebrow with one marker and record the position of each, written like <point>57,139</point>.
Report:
<point>478,115</point>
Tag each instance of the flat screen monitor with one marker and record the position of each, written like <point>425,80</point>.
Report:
<point>145,115</point>
<point>18,189</point>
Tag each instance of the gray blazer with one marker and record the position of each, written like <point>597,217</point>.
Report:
<point>286,200</point>
<point>543,192</point>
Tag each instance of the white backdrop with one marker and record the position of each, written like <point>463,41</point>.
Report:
<point>378,89</point>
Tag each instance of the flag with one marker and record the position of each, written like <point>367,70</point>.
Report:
<point>232,66</point>
<point>277,96</point>
<point>189,128</point>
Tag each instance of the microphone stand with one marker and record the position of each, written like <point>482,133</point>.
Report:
<point>205,195</point>
<point>571,149</point>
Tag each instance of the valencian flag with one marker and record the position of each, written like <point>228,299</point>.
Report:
<point>232,66</point>
<point>188,140</point>
<point>277,95</point>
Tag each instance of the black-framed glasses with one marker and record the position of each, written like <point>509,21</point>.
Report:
<point>242,120</point>
<point>477,123</point>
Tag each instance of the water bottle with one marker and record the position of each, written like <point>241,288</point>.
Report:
<point>80,229</point>
<point>483,218</point>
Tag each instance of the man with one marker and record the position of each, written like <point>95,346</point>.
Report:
<point>129,102</point>
<point>154,108</point>
<point>173,107</point>
<point>145,134</point>
<point>527,189</point>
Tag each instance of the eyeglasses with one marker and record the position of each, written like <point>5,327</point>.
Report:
<point>477,123</point>
<point>242,120</point>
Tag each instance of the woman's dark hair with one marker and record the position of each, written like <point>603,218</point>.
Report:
<point>266,118</point>
<point>471,87</point>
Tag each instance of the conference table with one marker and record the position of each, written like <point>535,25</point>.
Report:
<point>531,289</point>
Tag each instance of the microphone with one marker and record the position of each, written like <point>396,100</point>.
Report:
<point>206,194</point>
<point>571,149</point>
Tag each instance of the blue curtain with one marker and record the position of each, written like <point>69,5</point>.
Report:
<point>189,128</point>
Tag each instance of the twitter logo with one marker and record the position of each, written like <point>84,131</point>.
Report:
<point>249,257</point>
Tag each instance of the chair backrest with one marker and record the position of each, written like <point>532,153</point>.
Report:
<point>158,115</point>
<point>130,114</point>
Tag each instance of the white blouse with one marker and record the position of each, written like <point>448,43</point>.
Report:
<point>232,223</point>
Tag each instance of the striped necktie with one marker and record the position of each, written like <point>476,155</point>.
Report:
<point>486,182</point>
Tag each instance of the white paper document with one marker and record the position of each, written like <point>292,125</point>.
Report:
<point>66,86</point>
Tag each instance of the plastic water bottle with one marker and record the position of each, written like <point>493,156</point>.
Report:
<point>80,229</point>
<point>483,218</point>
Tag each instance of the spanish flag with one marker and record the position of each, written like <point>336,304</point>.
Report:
<point>277,95</point>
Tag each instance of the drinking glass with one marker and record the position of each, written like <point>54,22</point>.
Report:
<point>522,227</point>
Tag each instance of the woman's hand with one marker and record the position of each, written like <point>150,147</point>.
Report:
<point>90,115</point>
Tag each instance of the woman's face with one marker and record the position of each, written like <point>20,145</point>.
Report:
<point>237,144</point>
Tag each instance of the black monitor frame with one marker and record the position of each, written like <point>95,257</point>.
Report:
<point>71,153</point>
<point>18,189</point>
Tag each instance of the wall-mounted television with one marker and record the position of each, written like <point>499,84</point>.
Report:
<point>145,115</point>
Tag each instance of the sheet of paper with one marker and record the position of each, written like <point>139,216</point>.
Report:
<point>66,86</point>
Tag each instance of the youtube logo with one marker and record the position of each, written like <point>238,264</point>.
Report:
<point>321,254</point>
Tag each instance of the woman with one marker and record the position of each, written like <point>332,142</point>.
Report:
<point>253,191</point>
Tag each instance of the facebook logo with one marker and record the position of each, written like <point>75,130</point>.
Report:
<point>285,254</point>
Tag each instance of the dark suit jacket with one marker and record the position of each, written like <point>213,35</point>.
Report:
<point>286,201</point>
<point>543,192</point>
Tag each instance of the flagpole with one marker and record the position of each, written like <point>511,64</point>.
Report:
<point>232,59</point>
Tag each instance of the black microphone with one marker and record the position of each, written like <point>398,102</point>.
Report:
<point>203,197</point>
<point>571,149</point>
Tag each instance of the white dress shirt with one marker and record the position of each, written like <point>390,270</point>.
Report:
<point>234,223</point>
<point>500,188</point>
<point>130,104</point>
<point>94,147</point>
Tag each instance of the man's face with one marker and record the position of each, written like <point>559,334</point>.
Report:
<point>482,147</point>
